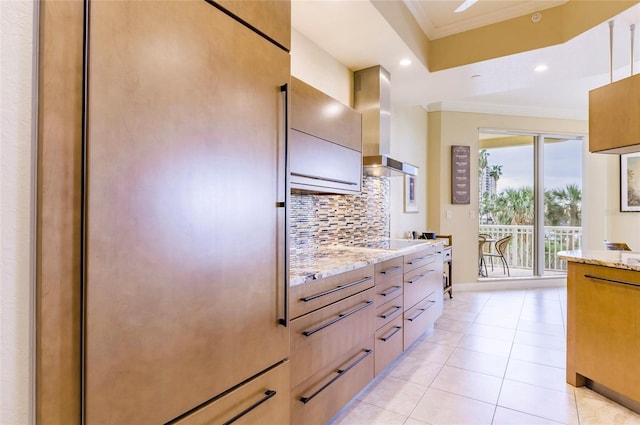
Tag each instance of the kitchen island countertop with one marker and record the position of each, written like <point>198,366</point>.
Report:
<point>330,260</point>
<point>628,260</point>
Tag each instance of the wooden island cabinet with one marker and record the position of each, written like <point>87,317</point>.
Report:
<point>603,327</point>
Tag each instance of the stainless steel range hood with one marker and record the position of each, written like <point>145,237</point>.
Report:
<point>372,97</point>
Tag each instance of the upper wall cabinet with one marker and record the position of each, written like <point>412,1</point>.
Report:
<point>614,117</point>
<point>325,144</point>
<point>270,17</point>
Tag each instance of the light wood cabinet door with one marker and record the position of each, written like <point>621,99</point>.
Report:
<point>388,344</point>
<point>184,142</point>
<point>603,329</point>
<point>270,17</point>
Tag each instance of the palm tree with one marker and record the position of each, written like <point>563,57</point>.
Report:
<point>495,172</point>
<point>515,206</point>
<point>483,160</point>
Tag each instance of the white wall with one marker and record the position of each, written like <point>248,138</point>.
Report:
<point>16,73</point>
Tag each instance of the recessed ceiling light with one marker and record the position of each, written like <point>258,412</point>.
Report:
<point>405,62</point>
<point>541,68</point>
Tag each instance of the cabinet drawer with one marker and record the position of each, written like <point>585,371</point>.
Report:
<point>388,291</point>
<point>389,311</point>
<point>320,337</point>
<point>311,296</point>
<point>319,398</point>
<point>421,282</point>
<point>389,270</point>
<point>421,258</point>
<point>419,318</point>
<point>388,344</point>
<point>264,399</point>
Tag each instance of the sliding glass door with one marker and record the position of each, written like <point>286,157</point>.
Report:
<point>530,203</point>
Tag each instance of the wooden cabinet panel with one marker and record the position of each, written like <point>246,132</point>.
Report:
<point>318,165</point>
<point>388,344</point>
<point>181,284</point>
<point>421,258</point>
<point>421,282</point>
<point>313,295</point>
<point>320,115</point>
<point>389,311</point>
<point>604,327</point>
<point>614,123</point>
<point>263,400</point>
<point>325,143</point>
<point>420,317</point>
<point>271,17</point>
<point>319,398</point>
<point>388,270</point>
<point>319,337</point>
<point>388,291</point>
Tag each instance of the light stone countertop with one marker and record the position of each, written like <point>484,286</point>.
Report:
<point>628,260</point>
<point>328,261</point>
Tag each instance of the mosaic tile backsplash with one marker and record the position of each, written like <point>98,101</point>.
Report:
<point>317,220</point>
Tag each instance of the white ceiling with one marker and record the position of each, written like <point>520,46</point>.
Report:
<point>354,32</point>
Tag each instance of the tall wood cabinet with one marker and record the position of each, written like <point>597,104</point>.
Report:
<point>184,278</point>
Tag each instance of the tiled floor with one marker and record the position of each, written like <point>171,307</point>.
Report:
<point>492,358</point>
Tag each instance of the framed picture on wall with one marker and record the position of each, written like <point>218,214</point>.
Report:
<point>630,182</point>
<point>410,194</point>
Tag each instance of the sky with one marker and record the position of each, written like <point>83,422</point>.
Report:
<point>562,165</point>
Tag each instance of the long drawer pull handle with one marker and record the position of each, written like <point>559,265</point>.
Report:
<point>391,311</point>
<point>310,176</point>
<point>418,260</point>
<point>391,290</point>
<point>336,289</point>
<point>421,276</point>
<point>267,395</point>
<point>396,329</point>
<point>621,282</point>
<point>340,372</point>
<point>422,310</point>
<point>391,270</point>
<point>337,319</point>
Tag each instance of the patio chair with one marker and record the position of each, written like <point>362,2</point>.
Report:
<point>501,247</point>
<point>616,246</point>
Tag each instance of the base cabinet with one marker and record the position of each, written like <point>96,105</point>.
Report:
<point>264,400</point>
<point>603,328</point>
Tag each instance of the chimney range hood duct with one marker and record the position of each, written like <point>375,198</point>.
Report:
<point>372,97</point>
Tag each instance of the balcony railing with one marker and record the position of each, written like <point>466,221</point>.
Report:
<point>519,252</point>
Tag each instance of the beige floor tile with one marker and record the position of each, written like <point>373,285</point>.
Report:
<point>495,319</point>
<point>540,355</point>
<point>442,408</point>
<point>441,336</point>
<point>415,370</point>
<point>540,327</point>
<point>361,413</point>
<point>494,332</point>
<point>489,364</point>
<point>549,377</point>
<point>428,351</point>
<point>412,421</point>
<point>464,316</point>
<point>452,324</point>
<point>558,406</point>
<point>468,384</point>
<point>485,345</point>
<point>594,409</point>
<point>556,342</point>
<point>394,395</point>
<point>511,417</point>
